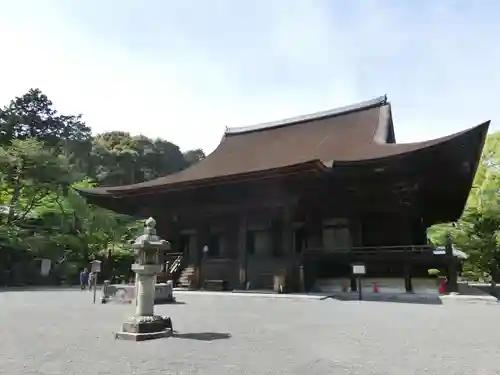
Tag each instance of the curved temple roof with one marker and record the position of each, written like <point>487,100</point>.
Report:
<point>353,134</point>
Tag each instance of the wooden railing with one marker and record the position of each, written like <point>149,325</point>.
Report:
<point>374,250</point>
<point>176,265</point>
<point>173,265</point>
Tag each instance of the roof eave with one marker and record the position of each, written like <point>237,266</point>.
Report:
<point>313,166</point>
<point>479,131</point>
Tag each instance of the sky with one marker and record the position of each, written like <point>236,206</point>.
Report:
<point>184,70</point>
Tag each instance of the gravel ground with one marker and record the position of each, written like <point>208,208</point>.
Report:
<point>62,332</point>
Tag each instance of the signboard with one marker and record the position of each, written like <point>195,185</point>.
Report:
<point>358,269</point>
<point>45,266</point>
<point>95,266</point>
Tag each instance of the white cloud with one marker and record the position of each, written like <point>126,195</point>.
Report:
<point>184,70</point>
<point>113,88</point>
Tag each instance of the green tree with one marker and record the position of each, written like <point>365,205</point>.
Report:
<point>42,154</point>
<point>28,174</point>
<point>119,158</point>
<point>194,156</point>
<point>33,116</point>
<point>477,231</point>
<point>114,158</point>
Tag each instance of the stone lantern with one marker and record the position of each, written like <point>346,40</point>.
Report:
<point>145,325</point>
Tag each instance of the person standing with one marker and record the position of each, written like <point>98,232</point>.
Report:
<point>84,278</point>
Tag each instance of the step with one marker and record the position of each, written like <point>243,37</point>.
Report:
<point>216,285</point>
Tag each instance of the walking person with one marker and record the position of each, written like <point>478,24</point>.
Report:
<point>84,278</point>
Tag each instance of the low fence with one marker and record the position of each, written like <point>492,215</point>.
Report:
<point>380,285</point>
<point>125,293</point>
<point>374,250</point>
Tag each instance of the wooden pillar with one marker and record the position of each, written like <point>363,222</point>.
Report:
<point>242,250</point>
<point>202,234</point>
<point>277,234</point>
<point>288,248</point>
<point>314,232</point>
<point>302,279</point>
<point>353,280</point>
<point>452,269</point>
<point>173,235</point>
<point>407,271</point>
<point>355,232</point>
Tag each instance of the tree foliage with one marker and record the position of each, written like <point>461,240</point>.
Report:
<point>43,155</point>
<point>29,172</point>
<point>477,232</point>
<point>32,116</point>
<point>119,158</point>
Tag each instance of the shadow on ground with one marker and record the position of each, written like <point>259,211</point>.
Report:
<point>202,336</point>
<point>428,300</point>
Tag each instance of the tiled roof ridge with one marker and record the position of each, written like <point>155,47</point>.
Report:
<point>381,100</point>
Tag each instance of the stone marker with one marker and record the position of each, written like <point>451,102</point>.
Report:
<point>145,325</point>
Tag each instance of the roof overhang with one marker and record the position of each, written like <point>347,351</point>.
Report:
<point>271,148</point>
<point>315,167</point>
<point>442,169</point>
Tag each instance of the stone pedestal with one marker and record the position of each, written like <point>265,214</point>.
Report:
<point>145,325</point>
<point>141,328</point>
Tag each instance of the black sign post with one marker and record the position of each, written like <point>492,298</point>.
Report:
<point>95,269</point>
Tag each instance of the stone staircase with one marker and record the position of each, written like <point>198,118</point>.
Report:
<point>186,277</point>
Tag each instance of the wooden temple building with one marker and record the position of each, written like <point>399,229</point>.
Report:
<point>307,197</point>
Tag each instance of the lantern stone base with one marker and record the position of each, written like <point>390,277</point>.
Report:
<point>141,328</point>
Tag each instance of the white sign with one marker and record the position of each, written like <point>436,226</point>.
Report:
<point>45,265</point>
<point>95,266</point>
<point>358,269</point>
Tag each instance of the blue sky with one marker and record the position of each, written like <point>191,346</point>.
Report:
<point>183,70</point>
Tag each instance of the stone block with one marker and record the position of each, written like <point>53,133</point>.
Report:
<point>141,328</point>
<point>142,336</point>
<point>164,293</point>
